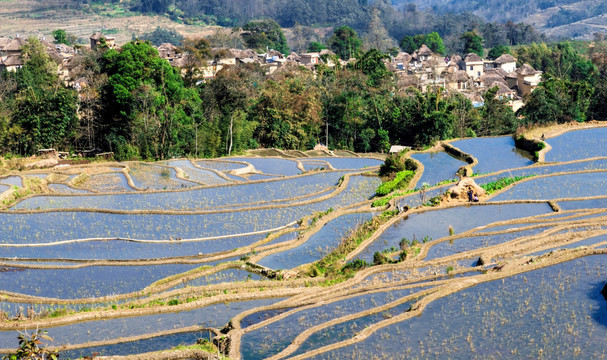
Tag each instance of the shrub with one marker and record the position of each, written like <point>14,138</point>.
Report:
<point>401,180</point>
<point>393,164</point>
<point>502,183</point>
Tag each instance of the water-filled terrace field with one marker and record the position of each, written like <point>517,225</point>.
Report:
<point>287,258</point>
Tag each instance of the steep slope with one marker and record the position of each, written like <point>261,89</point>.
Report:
<point>558,18</point>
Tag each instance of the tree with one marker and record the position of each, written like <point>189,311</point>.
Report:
<point>288,113</point>
<point>150,110</point>
<point>558,100</point>
<point>408,44</point>
<point>435,43</point>
<point>559,60</point>
<point>198,52</point>
<point>377,37</point>
<point>315,46</point>
<point>265,34</point>
<point>473,43</point>
<point>153,6</point>
<point>498,51</point>
<point>371,64</point>
<point>161,35</point>
<point>44,109</point>
<point>433,40</point>
<point>60,37</point>
<point>497,118</point>
<point>345,42</point>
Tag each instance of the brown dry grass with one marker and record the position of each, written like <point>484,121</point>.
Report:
<point>24,17</point>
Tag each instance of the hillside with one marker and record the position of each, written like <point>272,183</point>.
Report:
<point>558,18</point>
<point>28,17</point>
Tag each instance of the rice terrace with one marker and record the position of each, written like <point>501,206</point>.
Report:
<point>308,255</point>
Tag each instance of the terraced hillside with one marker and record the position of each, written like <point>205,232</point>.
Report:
<point>558,18</point>
<point>288,255</point>
<point>31,17</point>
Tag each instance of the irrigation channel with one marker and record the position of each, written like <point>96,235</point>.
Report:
<point>291,255</point>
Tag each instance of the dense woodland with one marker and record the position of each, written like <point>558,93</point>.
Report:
<point>138,106</point>
<point>398,21</point>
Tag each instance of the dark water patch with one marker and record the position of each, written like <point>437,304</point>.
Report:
<point>438,166</point>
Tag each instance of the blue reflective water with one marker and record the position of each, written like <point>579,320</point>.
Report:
<point>271,339</point>
<point>556,312</point>
<point>157,343</point>
<point>216,316</point>
<point>438,166</point>
<point>494,154</point>
<point>272,166</point>
<point>192,199</point>
<point>348,163</point>
<point>447,248</point>
<point>87,282</point>
<point>579,144</point>
<point>318,245</point>
<point>554,187</point>
<point>435,223</point>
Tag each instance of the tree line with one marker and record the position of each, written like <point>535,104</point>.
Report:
<point>137,105</point>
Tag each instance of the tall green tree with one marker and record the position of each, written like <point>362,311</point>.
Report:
<point>433,41</point>
<point>558,100</point>
<point>316,46</point>
<point>371,64</point>
<point>408,44</point>
<point>150,110</point>
<point>377,36</point>
<point>61,37</point>
<point>162,35</point>
<point>345,42</point>
<point>265,34</point>
<point>44,109</point>
<point>559,60</point>
<point>473,43</point>
<point>496,116</point>
<point>498,50</point>
<point>288,112</point>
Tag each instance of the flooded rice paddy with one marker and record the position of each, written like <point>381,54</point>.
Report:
<point>156,256</point>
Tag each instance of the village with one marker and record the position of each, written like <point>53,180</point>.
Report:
<point>470,75</point>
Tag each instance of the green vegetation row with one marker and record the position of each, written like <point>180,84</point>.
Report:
<point>332,267</point>
<point>499,184</point>
<point>401,180</point>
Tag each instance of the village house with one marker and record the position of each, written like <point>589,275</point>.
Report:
<point>527,79</point>
<point>11,58</point>
<point>473,65</point>
<point>95,40</point>
<point>505,62</point>
<point>470,76</point>
<point>310,58</point>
